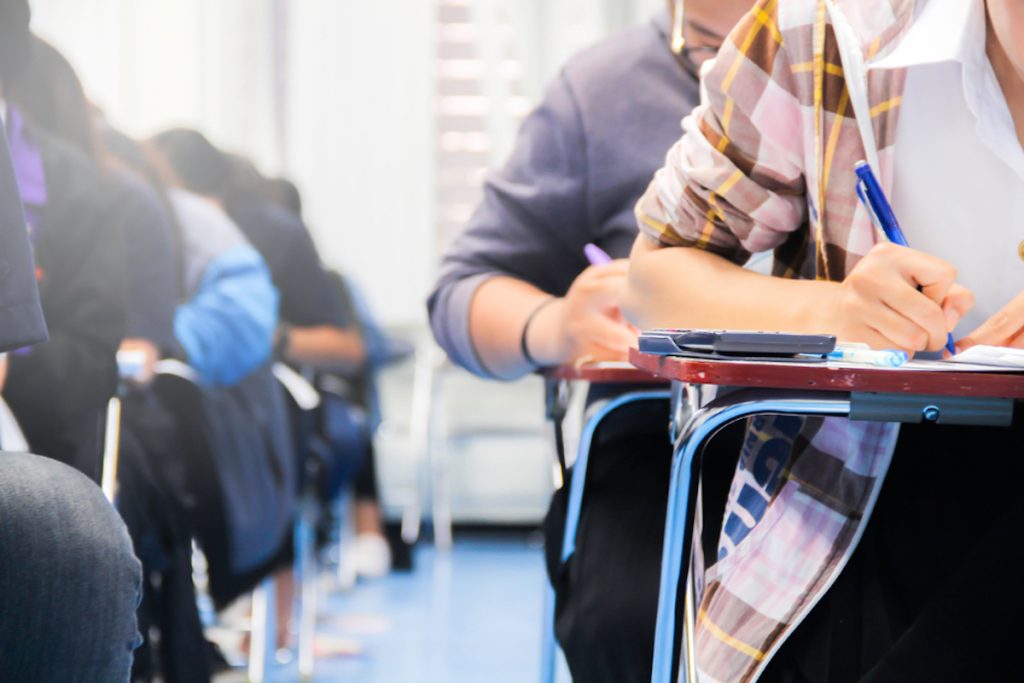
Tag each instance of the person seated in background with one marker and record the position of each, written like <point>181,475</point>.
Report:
<point>222,327</point>
<point>916,579</point>
<point>316,331</point>
<point>50,96</point>
<point>367,557</point>
<point>515,294</point>
<point>59,390</point>
<point>313,329</point>
<point>69,581</point>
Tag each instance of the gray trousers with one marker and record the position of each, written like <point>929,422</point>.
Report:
<point>69,580</point>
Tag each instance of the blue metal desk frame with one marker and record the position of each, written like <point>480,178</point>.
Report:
<point>700,411</point>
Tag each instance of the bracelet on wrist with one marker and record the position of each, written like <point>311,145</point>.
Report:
<point>283,337</point>
<point>524,345</point>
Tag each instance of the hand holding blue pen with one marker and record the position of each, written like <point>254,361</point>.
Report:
<point>870,192</point>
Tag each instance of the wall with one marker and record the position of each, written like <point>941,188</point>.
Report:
<point>337,93</point>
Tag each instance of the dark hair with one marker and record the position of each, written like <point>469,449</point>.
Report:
<point>201,167</point>
<point>51,97</point>
<point>15,37</point>
<point>244,178</point>
<point>283,192</point>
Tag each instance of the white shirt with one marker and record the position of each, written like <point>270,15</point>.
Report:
<point>958,178</point>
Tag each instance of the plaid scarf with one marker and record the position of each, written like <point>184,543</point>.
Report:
<point>767,163</point>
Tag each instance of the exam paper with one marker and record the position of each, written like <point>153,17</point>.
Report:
<point>999,356</point>
<point>974,359</point>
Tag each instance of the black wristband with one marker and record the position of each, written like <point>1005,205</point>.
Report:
<point>523,345</point>
<point>284,331</point>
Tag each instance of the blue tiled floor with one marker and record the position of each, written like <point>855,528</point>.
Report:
<point>469,617</point>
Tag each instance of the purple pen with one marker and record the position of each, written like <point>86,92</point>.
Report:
<point>596,255</point>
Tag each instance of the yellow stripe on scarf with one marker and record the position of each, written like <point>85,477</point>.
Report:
<point>764,19</point>
<point>749,650</point>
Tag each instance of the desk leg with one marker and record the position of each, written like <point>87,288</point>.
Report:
<point>701,425</point>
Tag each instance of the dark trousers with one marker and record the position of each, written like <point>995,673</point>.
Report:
<point>933,591</point>
<point>149,500</point>
<point>69,582</point>
<point>606,595</point>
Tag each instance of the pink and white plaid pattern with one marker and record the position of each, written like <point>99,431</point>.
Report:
<point>766,163</point>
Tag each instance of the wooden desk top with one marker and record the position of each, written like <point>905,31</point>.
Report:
<point>824,378</point>
<point>603,373</point>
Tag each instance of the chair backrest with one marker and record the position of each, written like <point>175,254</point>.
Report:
<point>239,468</point>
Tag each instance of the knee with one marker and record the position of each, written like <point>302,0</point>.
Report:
<point>49,510</point>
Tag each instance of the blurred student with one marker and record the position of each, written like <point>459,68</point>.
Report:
<point>224,327</point>
<point>59,390</point>
<point>179,247</point>
<point>316,329</point>
<point>50,96</point>
<point>924,583</point>
<point>516,294</point>
<point>69,581</point>
<point>357,385</point>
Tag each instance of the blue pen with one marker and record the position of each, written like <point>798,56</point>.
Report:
<point>873,197</point>
<point>596,255</point>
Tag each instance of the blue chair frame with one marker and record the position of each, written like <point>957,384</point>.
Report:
<point>597,413</point>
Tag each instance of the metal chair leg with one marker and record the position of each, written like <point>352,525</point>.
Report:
<point>111,448</point>
<point>263,636</point>
<point>437,459</point>
<point>419,431</point>
<point>548,646</point>
<point>306,569</point>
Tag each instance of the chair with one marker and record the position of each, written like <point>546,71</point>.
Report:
<point>180,385</point>
<point>596,413</point>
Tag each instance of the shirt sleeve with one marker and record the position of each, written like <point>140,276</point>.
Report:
<point>735,183</point>
<point>531,224</point>
<point>21,317</point>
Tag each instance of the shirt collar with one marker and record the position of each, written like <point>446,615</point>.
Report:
<point>943,31</point>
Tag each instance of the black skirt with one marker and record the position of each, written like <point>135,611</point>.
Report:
<point>933,592</point>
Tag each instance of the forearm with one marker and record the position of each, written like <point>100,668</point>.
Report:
<point>326,347</point>
<point>691,288</point>
<point>497,315</point>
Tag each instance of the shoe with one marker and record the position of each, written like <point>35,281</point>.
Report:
<point>371,556</point>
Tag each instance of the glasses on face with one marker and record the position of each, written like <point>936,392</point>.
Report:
<point>702,43</point>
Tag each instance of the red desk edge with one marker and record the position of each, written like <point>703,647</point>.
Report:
<point>598,373</point>
<point>824,378</point>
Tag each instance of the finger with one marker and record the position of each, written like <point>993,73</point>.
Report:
<point>920,310</point>
<point>876,339</point>
<point>605,293</point>
<point>958,302</point>
<point>932,274</point>
<point>902,332</point>
<point>611,335</point>
<point>1018,341</point>
<point>618,267</point>
<point>1001,328</point>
